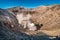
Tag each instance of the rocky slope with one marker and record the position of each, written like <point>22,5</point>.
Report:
<point>46,17</point>
<point>11,30</point>
<point>42,22</point>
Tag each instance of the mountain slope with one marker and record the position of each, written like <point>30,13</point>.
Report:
<point>48,17</point>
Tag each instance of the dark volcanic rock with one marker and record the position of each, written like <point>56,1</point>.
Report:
<point>6,34</point>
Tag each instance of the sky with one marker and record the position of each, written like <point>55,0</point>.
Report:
<point>26,3</point>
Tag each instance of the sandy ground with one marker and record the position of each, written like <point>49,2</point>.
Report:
<point>50,33</point>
